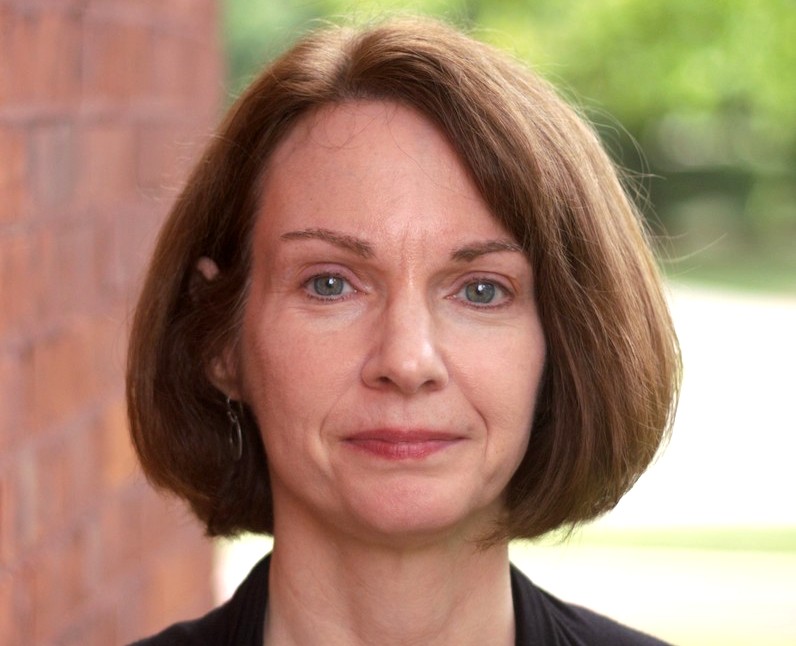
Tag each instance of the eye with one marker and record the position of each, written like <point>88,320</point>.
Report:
<point>480,292</point>
<point>483,292</point>
<point>328,286</point>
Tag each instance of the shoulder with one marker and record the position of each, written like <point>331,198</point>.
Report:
<point>544,619</point>
<point>207,630</point>
<point>238,621</point>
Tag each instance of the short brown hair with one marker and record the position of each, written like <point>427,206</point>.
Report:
<point>612,370</point>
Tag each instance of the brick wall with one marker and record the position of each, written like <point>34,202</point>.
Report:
<point>103,103</point>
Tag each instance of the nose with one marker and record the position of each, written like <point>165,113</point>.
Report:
<point>405,353</point>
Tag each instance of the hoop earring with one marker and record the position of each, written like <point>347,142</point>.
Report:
<point>235,433</point>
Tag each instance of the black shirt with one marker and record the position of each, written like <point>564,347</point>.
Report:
<point>540,619</point>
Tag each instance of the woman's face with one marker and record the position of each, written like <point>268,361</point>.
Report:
<point>391,348</point>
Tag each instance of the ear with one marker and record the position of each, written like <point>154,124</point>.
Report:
<point>208,268</point>
<point>223,370</point>
<point>205,271</point>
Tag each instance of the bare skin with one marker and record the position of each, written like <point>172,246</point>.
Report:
<point>357,595</point>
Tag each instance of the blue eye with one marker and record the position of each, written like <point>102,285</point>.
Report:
<point>328,286</point>
<point>480,292</point>
<point>483,292</point>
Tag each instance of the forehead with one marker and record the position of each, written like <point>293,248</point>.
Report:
<point>364,138</point>
<point>365,162</point>
<point>343,127</point>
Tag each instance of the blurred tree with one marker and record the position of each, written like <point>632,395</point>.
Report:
<point>706,87</point>
<point>257,30</point>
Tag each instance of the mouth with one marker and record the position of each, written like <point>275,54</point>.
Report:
<point>402,444</point>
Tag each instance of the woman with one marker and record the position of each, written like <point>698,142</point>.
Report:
<point>402,313</point>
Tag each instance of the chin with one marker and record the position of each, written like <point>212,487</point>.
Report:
<point>417,516</point>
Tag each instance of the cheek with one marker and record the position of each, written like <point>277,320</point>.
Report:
<point>278,387</point>
<point>513,404</point>
<point>270,368</point>
<point>504,373</point>
<point>290,377</point>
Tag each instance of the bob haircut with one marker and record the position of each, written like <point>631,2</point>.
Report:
<point>612,370</point>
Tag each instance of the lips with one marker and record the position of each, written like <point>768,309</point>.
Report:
<point>402,444</point>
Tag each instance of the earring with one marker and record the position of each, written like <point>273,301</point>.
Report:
<point>235,433</point>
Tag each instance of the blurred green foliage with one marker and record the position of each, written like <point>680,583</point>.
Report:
<point>704,90</point>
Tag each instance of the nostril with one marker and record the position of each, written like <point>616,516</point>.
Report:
<point>407,375</point>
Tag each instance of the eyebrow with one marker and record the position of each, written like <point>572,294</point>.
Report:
<point>466,253</point>
<point>470,252</point>
<point>350,243</point>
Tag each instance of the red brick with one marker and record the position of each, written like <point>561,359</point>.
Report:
<point>26,386</point>
<point>194,17</point>
<point>13,170</point>
<point>138,229</point>
<point>15,623</point>
<point>117,268</point>
<point>131,621</point>
<point>8,632</point>
<point>190,75</point>
<point>172,75</point>
<point>53,160</point>
<point>63,379</point>
<point>43,278</point>
<point>178,575</point>
<point>13,398</point>
<point>121,531</point>
<point>84,462</point>
<point>10,388</point>
<point>108,246</point>
<point>206,71</point>
<point>60,275</point>
<point>88,552</point>
<point>67,482</point>
<point>155,157</point>
<point>9,499</point>
<point>118,462</point>
<point>107,164</point>
<point>19,511</point>
<point>72,286</point>
<point>45,47</point>
<point>161,509</point>
<point>118,62</point>
<point>59,586</point>
<point>18,276</point>
<point>192,146</point>
<point>55,487</point>
<point>123,242</point>
<point>110,341</point>
<point>6,19</point>
<point>97,627</point>
<point>19,27</point>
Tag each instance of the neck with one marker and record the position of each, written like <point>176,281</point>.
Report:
<point>341,591</point>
